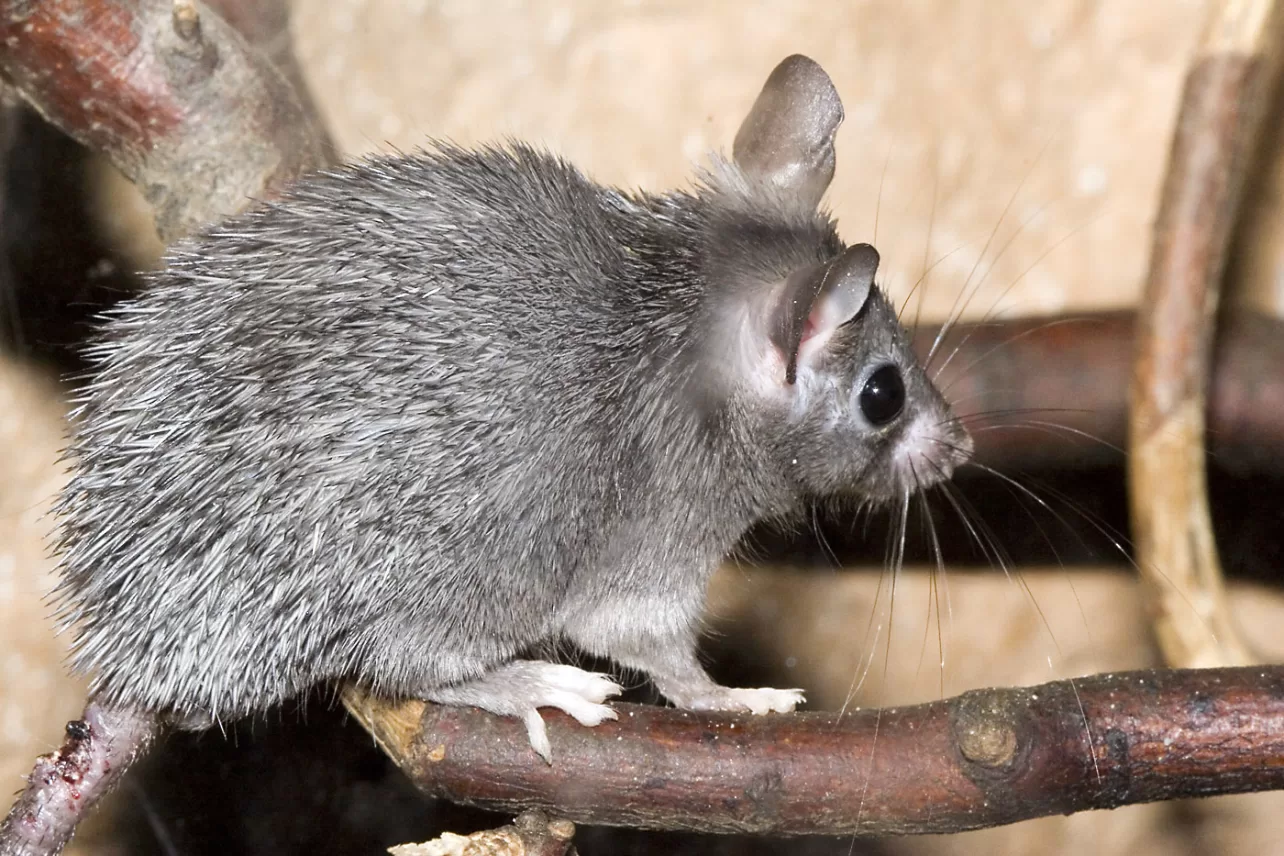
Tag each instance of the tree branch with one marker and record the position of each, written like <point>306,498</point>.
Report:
<point>984,758</point>
<point>532,833</point>
<point>1074,372</point>
<point>180,103</point>
<point>1234,74</point>
<point>203,124</point>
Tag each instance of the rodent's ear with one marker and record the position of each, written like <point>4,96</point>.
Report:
<point>818,300</point>
<point>788,137</point>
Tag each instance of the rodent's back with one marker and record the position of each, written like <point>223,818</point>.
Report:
<point>330,411</point>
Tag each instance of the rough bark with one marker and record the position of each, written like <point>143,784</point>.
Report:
<point>195,116</point>
<point>1223,104</point>
<point>984,758</point>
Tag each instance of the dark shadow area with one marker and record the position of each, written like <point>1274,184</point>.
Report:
<point>56,268</point>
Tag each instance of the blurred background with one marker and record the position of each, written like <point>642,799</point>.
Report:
<point>1014,148</point>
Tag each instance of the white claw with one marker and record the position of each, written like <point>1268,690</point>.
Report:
<point>585,712</point>
<point>538,735</point>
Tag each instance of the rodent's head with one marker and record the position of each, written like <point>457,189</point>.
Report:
<point>813,362</point>
<point>840,397</point>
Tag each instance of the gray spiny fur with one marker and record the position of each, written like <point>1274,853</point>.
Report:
<point>428,411</point>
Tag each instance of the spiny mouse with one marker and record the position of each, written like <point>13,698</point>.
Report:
<point>428,412</point>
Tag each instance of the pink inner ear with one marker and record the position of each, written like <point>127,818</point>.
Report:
<point>809,329</point>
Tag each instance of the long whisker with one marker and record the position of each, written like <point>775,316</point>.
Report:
<point>949,322</point>
<point>933,597</point>
<point>1116,538</point>
<point>897,564</point>
<point>943,585</point>
<point>1005,564</point>
<point>970,293</point>
<point>1079,701</point>
<point>921,281</point>
<point>1021,276</point>
<point>1053,429</point>
<point>969,418</point>
<point>967,524</point>
<point>1104,529</point>
<point>1087,727</point>
<point>1021,493</point>
<point>927,244</point>
<point>878,204</point>
<point>869,644</point>
<point>873,631</point>
<point>823,541</point>
<point>1083,715</point>
<point>931,588</point>
<point>1016,337</point>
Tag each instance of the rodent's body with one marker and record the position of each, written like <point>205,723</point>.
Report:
<point>427,416</point>
<point>333,439</point>
<point>424,415</point>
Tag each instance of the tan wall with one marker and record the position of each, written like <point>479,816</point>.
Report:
<point>1070,101</point>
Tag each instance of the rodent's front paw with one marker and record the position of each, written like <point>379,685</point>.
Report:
<point>758,701</point>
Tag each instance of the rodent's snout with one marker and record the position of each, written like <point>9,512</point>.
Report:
<point>931,450</point>
<point>959,449</point>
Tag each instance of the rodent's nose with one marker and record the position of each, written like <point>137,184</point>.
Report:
<point>961,449</point>
<point>958,447</point>
<point>931,449</point>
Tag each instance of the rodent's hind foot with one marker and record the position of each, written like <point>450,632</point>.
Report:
<point>758,701</point>
<point>520,688</point>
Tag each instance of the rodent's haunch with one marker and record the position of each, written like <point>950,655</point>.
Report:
<point>428,412</point>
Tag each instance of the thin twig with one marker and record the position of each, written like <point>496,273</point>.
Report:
<point>533,833</point>
<point>66,784</point>
<point>1231,80</point>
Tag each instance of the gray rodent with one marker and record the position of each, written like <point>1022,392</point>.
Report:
<point>426,413</point>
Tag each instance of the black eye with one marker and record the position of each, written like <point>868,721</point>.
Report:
<point>883,396</point>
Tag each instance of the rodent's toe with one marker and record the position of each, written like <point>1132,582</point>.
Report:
<point>759,701</point>
<point>594,686</point>
<point>783,701</point>
<point>585,713</point>
<point>767,700</point>
<point>537,734</point>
